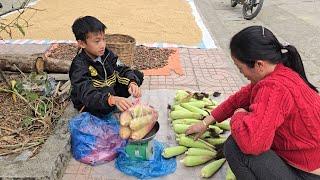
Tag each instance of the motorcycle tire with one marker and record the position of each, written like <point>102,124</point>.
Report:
<point>246,7</point>
<point>234,3</point>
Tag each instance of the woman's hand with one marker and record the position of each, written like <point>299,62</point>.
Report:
<point>200,127</point>
<point>134,90</point>
<point>240,110</point>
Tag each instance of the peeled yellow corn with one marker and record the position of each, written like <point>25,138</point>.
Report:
<point>125,118</point>
<point>140,110</point>
<point>139,134</point>
<point>125,132</point>
<point>140,122</point>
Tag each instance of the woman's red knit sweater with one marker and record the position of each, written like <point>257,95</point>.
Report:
<point>283,115</point>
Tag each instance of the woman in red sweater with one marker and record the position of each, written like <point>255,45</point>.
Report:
<point>275,120</point>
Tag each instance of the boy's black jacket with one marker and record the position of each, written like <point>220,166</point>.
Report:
<point>93,81</point>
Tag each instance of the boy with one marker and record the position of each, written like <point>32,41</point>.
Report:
<point>99,81</point>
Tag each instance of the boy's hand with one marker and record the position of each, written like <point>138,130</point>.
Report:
<point>134,90</point>
<point>122,103</point>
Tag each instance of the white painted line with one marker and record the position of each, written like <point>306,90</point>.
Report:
<point>206,37</point>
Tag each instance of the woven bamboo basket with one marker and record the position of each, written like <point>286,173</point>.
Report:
<point>123,46</point>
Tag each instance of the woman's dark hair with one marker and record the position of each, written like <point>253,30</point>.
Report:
<point>83,25</point>
<point>259,43</point>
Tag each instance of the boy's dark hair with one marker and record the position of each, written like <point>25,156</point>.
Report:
<point>259,43</point>
<point>83,25</point>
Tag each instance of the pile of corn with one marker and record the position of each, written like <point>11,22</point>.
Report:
<point>188,109</point>
<point>137,121</point>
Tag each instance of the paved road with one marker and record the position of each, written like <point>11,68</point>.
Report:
<point>296,22</point>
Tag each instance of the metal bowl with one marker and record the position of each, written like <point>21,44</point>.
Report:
<point>149,136</point>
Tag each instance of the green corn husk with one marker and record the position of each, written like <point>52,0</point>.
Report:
<point>210,107</point>
<point>225,125</point>
<point>200,152</point>
<point>189,142</point>
<point>178,107</point>
<point>210,169</point>
<point>215,103</point>
<point>208,101</point>
<point>181,94</point>
<point>195,160</point>
<point>181,114</point>
<point>207,109</point>
<point>185,121</point>
<point>216,141</point>
<point>206,134</point>
<point>173,151</point>
<point>216,129</point>
<point>229,174</point>
<point>198,104</point>
<point>194,109</point>
<point>180,128</point>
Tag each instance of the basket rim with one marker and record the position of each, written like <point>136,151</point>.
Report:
<point>130,37</point>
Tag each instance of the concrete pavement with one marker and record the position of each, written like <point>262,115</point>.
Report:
<point>296,22</point>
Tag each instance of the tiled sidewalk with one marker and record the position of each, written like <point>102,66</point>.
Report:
<point>206,71</point>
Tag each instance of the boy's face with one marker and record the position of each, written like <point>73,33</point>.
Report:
<point>94,45</point>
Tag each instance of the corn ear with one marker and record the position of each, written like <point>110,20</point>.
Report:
<point>173,151</point>
<point>200,152</point>
<point>140,110</point>
<point>181,114</point>
<point>198,103</point>
<point>216,129</point>
<point>178,107</point>
<point>180,128</point>
<point>140,122</point>
<point>195,160</point>
<point>215,103</point>
<point>125,118</point>
<point>207,109</point>
<point>208,101</point>
<point>189,142</point>
<point>139,134</point>
<point>206,134</point>
<point>181,94</point>
<point>210,169</point>
<point>229,174</point>
<point>216,141</point>
<point>194,109</point>
<point>210,107</point>
<point>125,132</point>
<point>185,121</point>
<point>225,125</point>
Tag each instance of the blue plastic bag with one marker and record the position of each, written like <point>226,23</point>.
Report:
<point>95,140</point>
<point>145,169</point>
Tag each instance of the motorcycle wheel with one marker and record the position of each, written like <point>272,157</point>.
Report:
<point>251,8</point>
<point>233,3</point>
